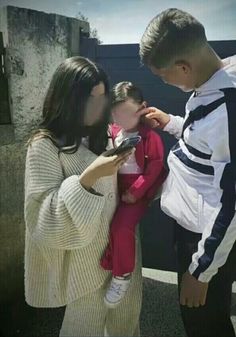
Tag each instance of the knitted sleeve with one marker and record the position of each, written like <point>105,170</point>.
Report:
<point>59,212</point>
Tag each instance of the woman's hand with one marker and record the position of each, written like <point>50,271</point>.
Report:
<point>103,166</point>
<point>154,117</point>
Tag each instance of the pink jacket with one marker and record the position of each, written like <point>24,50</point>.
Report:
<point>149,156</point>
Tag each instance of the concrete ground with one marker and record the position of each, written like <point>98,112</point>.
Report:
<point>159,317</point>
<point>160,293</point>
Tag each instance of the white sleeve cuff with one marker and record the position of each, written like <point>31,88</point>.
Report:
<point>203,277</point>
<point>175,126</point>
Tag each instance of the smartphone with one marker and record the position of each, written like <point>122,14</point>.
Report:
<point>127,144</point>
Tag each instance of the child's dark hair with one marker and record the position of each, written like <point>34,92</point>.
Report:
<point>123,91</point>
<point>169,37</point>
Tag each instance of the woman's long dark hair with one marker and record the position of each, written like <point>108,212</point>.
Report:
<point>64,106</point>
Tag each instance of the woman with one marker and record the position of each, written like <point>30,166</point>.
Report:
<point>70,199</point>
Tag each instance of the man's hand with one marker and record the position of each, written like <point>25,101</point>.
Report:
<point>192,292</point>
<point>153,117</point>
<point>128,198</point>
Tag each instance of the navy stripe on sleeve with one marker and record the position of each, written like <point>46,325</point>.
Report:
<point>228,199</point>
<point>197,153</point>
<point>205,169</point>
<point>201,111</point>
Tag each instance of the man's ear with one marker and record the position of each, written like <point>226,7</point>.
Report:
<point>144,104</point>
<point>184,66</point>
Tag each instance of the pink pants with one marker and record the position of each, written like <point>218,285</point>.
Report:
<point>120,253</point>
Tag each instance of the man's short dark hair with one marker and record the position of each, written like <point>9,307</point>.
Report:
<point>170,36</point>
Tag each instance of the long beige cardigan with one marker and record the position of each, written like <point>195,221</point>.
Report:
<point>67,227</point>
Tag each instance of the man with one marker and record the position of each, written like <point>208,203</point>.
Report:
<point>199,192</point>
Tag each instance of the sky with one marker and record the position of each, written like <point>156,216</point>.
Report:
<point>124,21</point>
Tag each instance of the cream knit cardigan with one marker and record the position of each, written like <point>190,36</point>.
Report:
<point>67,227</point>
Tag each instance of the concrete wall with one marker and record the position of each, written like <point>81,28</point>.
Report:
<point>11,221</point>
<point>36,43</point>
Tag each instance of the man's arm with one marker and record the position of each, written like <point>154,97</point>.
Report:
<point>219,234</point>
<point>175,126</point>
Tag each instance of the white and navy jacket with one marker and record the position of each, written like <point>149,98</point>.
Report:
<point>199,192</point>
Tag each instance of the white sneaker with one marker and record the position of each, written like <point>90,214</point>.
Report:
<point>116,291</point>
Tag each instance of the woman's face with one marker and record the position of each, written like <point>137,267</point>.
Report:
<point>95,105</point>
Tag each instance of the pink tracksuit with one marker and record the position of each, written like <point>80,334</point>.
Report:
<point>120,253</point>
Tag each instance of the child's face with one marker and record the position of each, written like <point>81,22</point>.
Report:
<point>126,114</point>
<point>95,105</point>
<point>178,75</point>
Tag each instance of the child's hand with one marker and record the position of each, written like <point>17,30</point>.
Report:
<point>128,198</point>
<point>154,117</point>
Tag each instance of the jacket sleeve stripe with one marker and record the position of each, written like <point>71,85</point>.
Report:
<point>223,234</point>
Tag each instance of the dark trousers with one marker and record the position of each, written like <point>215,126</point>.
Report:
<point>212,319</point>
